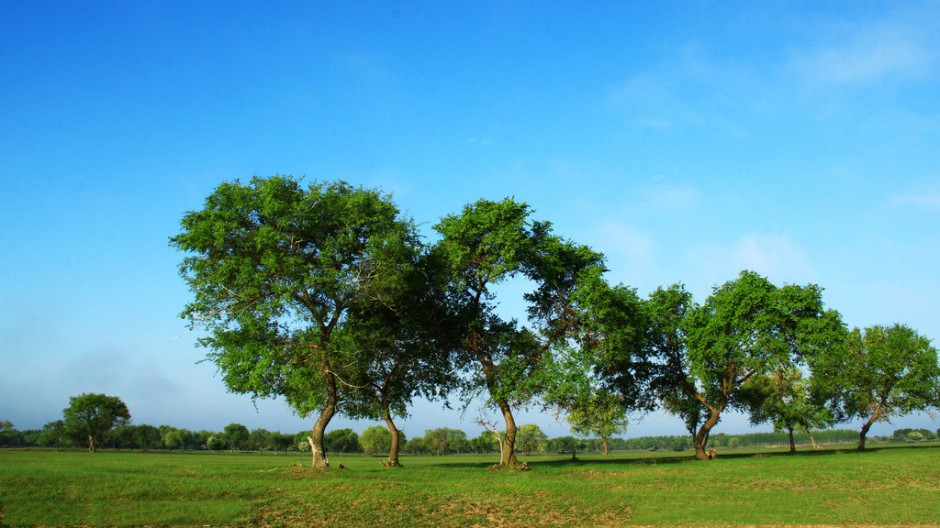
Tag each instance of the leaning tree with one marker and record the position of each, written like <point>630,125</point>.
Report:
<point>275,268</point>
<point>405,350</point>
<point>883,372</point>
<point>485,245</point>
<point>748,327</point>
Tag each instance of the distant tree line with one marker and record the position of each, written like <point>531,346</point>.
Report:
<point>376,440</point>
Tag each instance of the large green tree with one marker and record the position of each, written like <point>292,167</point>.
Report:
<point>884,372</point>
<point>91,416</point>
<point>275,269</point>
<point>485,245</point>
<point>749,327</point>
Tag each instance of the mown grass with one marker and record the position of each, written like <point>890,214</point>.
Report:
<point>888,486</point>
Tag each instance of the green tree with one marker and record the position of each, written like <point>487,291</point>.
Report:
<point>235,436</point>
<point>530,438</point>
<point>406,348</point>
<point>445,440</point>
<point>599,414</point>
<point>750,327</point>
<point>784,398</point>
<point>53,435</point>
<point>607,371</point>
<point>375,440</point>
<point>884,372</point>
<point>563,444</point>
<point>483,247</point>
<point>260,440</point>
<point>215,443</point>
<point>91,416</point>
<point>342,441</point>
<point>275,270</point>
<point>9,436</point>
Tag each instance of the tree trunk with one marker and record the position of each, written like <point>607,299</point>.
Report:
<point>393,449</point>
<point>701,437</point>
<point>317,448</point>
<point>792,443</point>
<point>91,444</point>
<point>606,445</point>
<point>507,454</point>
<point>867,426</point>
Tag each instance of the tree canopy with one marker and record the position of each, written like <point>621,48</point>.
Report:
<point>488,243</point>
<point>275,269</point>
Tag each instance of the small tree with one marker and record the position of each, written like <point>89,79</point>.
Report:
<point>530,438</point>
<point>884,372</point>
<point>91,416</point>
<point>375,440</point>
<point>342,441</point>
<point>784,399</point>
<point>600,414</point>
<point>236,436</point>
<point>9,436</point>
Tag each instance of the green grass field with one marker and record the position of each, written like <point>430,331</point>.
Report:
<point>886,486</point>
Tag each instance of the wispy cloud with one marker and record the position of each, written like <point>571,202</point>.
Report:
<point>692,88</point>
<point>927,199</point>
<point>897,47</point>
<point>672,197</point>
<point>630,251</point>
<point>776,256</point>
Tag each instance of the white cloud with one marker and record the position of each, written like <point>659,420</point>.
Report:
<point>624,241</point>
<point>929,199</point>
<point>898,47</point>
<point>672,198</point>
<point>630,251</point>
<point>773,255</point>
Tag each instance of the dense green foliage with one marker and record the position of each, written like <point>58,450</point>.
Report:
<point>895,486</point>
<point>277,272</point>
<point>91,416</point>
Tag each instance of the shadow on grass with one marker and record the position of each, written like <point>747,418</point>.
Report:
<point>645,459</point>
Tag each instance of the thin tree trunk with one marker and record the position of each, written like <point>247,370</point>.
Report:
<point>91,444</point>
<point>507,453</point>
<point>393,449</point>
<point>792,443</point>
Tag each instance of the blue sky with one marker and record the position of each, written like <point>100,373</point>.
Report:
<point>687,141</point>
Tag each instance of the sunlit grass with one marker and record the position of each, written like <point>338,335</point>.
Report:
<point>881,487</point>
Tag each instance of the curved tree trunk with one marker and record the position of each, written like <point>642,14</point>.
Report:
<point>507,454</point>
<point>317,447</point>
<point>867,426</point>
<point>700,440</point>
<point>396,435</point>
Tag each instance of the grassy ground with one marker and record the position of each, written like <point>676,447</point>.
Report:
<point>886,486</point>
